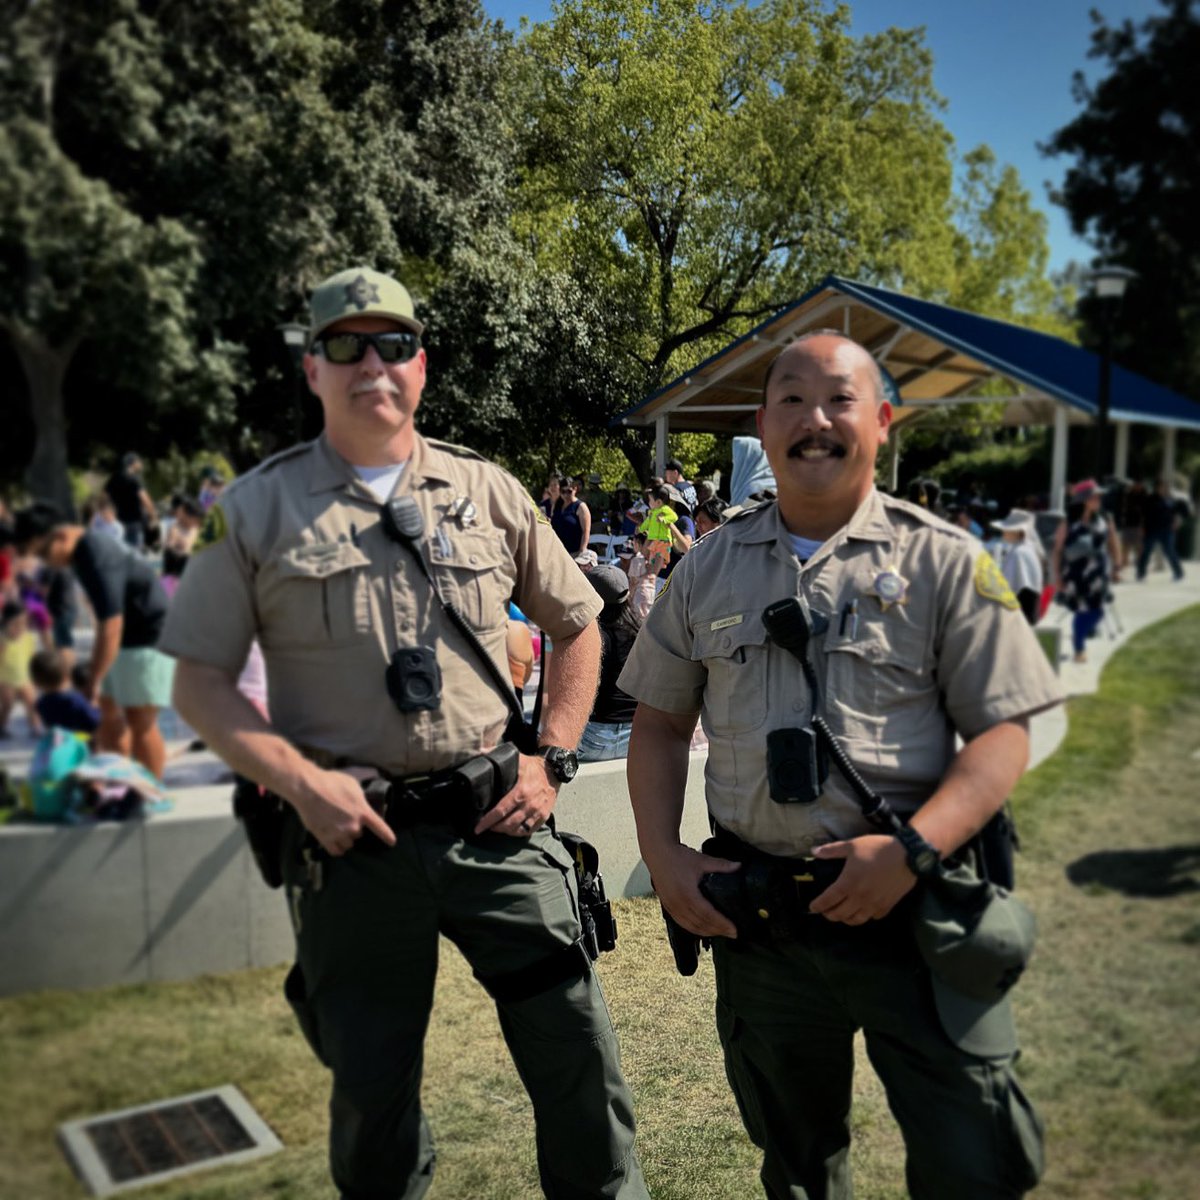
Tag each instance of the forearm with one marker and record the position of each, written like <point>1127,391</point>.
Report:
<point>572,678</point>
<point>106,647</point>
<point>980,779</point>
<point>209,701</point>
<point>657,770</point>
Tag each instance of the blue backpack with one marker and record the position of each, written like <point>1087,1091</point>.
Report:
<point>52,791</point>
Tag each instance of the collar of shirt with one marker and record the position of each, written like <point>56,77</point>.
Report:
<point>870,523</point>
<point>331,472</point>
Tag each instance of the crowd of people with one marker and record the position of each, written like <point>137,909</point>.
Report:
<point>118,561</point>
<point>388,576</point>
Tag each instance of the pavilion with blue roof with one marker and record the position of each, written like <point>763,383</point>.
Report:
<point>935,355</point>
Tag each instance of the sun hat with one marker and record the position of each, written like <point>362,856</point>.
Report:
<point>1017,518</point>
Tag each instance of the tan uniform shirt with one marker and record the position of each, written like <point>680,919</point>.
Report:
<point>297,557</point>
<point>897,679</point>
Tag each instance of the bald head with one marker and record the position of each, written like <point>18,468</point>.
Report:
<point>797,347</point>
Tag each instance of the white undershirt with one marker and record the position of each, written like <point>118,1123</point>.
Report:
<point>805,548</point>
<point>381,480</point>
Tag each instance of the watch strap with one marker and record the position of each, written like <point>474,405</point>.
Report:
<point>923,857</point>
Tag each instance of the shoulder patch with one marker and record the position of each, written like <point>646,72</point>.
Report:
<point>991,584</point>
<point>542,519</point>
<point>215,527</point>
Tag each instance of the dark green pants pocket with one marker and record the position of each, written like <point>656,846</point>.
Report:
<point>296,993</point>
<point>1024,1134</point>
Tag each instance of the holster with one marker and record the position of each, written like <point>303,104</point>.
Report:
<point>262,816</point>
<point>767,898</point>
<point>994,848</point>
<point>595,910</point>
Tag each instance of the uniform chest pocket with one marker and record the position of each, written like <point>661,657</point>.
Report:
<point>879,686</point>
<point>470,570</point>
<point>319,594</point>
<point>736,657</point>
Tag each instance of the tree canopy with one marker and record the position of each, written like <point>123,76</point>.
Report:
<point>177,174</point>
<point>1133,187</point>
<point>580,214</point>
<point>701,163</point>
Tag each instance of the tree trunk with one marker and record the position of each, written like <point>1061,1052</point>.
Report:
<point>638,449</point>
<point>45,369</point>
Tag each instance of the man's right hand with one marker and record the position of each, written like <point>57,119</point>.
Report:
<point>676,875</point>
<point>335,811</point>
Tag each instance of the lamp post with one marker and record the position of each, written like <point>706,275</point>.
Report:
<point>1108,286</point>
<point>295,338</point>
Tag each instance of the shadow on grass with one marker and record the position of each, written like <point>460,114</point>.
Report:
<point>1148,874</point>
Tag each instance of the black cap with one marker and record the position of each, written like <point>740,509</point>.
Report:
<point>674,465</point>
<point>36,521</point>
<point>611,583</point>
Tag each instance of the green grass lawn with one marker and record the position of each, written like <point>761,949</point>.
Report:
<point>1108,1010</point>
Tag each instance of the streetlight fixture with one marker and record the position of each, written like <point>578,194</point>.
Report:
<point>1108,286</point>
<point>295,338</point>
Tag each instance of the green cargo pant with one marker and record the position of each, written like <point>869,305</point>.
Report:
<point>787,1015</point>
<point>362,988</point>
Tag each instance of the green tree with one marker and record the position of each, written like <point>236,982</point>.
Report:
<point>175,175</point>
<point>701,163</point>
<point>1133,187</point>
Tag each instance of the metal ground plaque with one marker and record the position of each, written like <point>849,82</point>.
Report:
<point>155,1142</point>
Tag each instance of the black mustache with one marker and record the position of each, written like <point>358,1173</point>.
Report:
<point>799,447</point>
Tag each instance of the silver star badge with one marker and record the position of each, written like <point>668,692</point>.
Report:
<point>890,587</point>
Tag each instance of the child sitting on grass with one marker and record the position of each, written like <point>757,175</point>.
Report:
<point>18,645</point>
<point>62,702</point>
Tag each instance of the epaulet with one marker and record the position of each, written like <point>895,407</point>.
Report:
<point>269,464</point>
<point>456,451</point>
<point>744,512</point>
<point>921,516</point>
<point>740,515</point>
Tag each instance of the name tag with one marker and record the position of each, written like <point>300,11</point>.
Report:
<point>725,622</point>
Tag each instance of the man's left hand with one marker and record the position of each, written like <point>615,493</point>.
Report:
<point>875,877</point>
<point>526,807</point>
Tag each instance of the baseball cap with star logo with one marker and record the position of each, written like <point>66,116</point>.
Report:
<point>361,292</point>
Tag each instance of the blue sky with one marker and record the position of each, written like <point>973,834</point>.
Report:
<point>1004,68</point>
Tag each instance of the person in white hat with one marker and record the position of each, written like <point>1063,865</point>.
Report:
<point>1020,558</point>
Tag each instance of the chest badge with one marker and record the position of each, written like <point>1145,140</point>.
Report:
<point>463,510</point>
<point>890,587</point>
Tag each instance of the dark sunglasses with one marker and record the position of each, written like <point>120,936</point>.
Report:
<point>345,348</point>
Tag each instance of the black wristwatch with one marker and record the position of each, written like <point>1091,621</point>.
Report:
<point>923,858</point>
<point>562,763</point>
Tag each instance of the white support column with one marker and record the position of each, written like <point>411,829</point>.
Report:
<point>894,435</point>
<point>1058,458</point>
<point>1168,458</point>
<point>660,443</point>
<point>1121,465</point>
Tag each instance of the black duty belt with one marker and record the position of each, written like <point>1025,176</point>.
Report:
<point>768,898</point>
<point>455,796</point>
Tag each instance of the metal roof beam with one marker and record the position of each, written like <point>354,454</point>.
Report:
<point>760,346</point>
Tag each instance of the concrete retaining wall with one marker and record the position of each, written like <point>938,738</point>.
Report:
<point>177,895</point>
